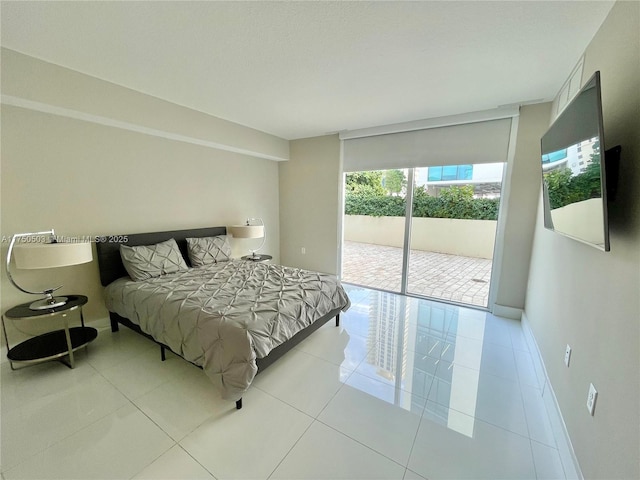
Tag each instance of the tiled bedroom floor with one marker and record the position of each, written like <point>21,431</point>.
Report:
<point>404,389</point>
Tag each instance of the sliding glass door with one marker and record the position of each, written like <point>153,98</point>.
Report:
<point>453,228</point>
<point>374,228</point>
<point>426,231</point>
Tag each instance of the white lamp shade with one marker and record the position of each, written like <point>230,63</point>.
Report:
<point>51,255</point>
<point>247,231</point>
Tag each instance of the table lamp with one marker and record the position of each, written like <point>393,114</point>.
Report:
<point>250,230</point>
<point>38,254</point>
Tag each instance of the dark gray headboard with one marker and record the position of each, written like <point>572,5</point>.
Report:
<point>108,247</point>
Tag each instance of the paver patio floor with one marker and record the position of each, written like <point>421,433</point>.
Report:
<point>436,275</point>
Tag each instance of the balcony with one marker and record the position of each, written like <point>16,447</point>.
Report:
<point>450,259</point>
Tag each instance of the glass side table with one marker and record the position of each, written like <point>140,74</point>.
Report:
<point>54,345</point>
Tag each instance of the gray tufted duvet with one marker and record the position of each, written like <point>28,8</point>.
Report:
<point>223,316</point>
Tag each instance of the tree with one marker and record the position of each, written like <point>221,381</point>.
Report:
<point>394,181</point>
<point>558,186</point>
<point>565,188</point>
<point>365,183</point>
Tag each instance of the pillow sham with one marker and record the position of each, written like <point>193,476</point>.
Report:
<point>207,250</point>
<point>147,261</point>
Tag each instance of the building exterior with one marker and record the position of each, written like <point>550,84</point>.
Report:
<point>486,178</point>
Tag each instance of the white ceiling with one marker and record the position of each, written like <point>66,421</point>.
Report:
<point>302,69</point>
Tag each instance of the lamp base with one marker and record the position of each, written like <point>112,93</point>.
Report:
<point>48,303</point>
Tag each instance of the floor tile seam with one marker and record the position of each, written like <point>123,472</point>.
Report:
<point>299,348</point>
<point>492,375</point>
<point>526,416</point>
<point>196,460</point>
<point>513,345</point>
<point>564,471</point>
<point>484,342</point>
<point>524,408</point>
<point>123,360</point>
<point>139,407</point>
<point>412,471</point>
<point>362,444</point>
<point>532,385</point>
<point>154,422</point>
<point>339,364</point>
<point>440,361</point>
<point>533,460</point>
<point>542,444</point>
<point>130,398</point>
<point>111,365</point>
<point>291,449</point>
<point>317,357</point>
<point>478,419</point>
<point>62,439</point>
<point>95,420</point>
<point>545,413</point>
<point>516,349</point>
<point>174,441</point>
<point>282,401</point>
<point>524,384</point>
<point>156,458</point>
<point>342,384</point>
<point>12,409</point>
<point>415,437</point>
<point>371,377</point>
<point>132,401</point>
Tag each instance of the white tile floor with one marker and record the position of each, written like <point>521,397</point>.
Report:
<point>404,389</point>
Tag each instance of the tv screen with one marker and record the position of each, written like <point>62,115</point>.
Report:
<point>573,170</point>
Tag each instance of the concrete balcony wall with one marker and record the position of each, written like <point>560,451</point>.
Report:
<point>469,238</point>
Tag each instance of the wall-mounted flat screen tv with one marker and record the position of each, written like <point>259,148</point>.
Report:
<point>573,170</point>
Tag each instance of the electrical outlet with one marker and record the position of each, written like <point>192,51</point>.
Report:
<point>303,250</point>
<point>591,398</point>
<point>567,355</point>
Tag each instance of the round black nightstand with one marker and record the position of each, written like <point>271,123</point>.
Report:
<point>257,258</point>
<point>52,345</point>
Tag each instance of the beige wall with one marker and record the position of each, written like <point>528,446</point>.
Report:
<point>84,178</point>
<point>50,86</point>
<point>470,238</point>
<point>311,210</point>
<point>518,209</point>
<point>309,204</point>
<point>591,299</point>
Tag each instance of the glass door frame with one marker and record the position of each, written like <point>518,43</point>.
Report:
<point>406,252</point>
<point>408,217</point>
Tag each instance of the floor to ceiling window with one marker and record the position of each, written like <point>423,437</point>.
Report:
<point>425,223</point>
<point>374,228</point>
<point>440,247</point>
<point>452,236</point>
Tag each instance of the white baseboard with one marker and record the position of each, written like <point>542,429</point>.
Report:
<point>565,448</point>
<point>507,312</point>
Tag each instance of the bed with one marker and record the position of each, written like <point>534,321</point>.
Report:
<point>230,317</point>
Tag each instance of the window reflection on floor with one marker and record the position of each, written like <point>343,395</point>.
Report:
<point>414,348</point>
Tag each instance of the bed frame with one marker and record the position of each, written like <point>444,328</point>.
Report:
<point>111,268</point>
